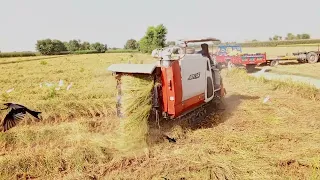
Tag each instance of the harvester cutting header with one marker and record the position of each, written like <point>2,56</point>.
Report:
<point>184,82</point>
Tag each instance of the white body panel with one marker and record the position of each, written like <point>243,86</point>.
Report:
<point>193,73</point>
<point>209,75</point>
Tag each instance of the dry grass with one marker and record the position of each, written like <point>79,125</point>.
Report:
<point>252,140</point>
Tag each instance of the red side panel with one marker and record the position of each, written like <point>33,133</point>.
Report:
<point>190,103</point>
<point>171,87</point>
<point>165,88</point>
<point>177,90</point>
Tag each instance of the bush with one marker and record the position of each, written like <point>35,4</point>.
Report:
<point>85,52</point>
<point>17,54</point>
<point>98,47</point>
<point>131,44</point>
<point>122,51</point>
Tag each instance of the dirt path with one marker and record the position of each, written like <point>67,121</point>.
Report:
<point>270,76</point>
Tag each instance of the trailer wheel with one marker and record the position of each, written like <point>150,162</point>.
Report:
<point>302,58</point>
<point>312,57</point>
<point>250,67</point>
<point>230,65</point>
<point>219,66</point>
<point>274,63</point>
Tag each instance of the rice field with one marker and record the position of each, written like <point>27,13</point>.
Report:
<point>35,83</point>
<point>78,137</point>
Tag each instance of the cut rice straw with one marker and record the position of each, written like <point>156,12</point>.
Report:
<point>136,104</point>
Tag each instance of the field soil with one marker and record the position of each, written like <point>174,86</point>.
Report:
<point>254,138</point>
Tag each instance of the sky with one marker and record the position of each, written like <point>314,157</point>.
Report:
<point>114,22</point>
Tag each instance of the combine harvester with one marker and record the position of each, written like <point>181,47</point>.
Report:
<point>186,84</point>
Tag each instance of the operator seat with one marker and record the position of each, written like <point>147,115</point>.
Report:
<point>215,71</point>
<point>205,52</point>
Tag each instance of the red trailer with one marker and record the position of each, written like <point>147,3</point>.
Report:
<point>232,56</point>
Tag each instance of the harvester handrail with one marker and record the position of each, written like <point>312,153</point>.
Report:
<point>200,40</point>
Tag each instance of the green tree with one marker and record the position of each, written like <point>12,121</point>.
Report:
<point>298,36</point>
<point>155,37</point>
<point>74,45</point>
<point>131,44</point>
<point>290,36</point>
<point>305,36</point>
<point>45,46</point>
<point>276,38</point>
<point>58,46</point>
<point>98,47</point>
<point>85,46</point>
<point>160,33</point>
<point>146,43</point>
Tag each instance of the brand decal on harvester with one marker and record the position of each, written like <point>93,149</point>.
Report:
<point>194,76</point>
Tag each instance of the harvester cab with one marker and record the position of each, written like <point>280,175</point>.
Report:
<point>185,82</point>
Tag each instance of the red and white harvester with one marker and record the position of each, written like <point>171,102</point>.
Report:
<point>186,83</point>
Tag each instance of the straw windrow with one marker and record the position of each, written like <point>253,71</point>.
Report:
<point>136,105</point>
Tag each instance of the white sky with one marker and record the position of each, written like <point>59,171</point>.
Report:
<point>113,22</point>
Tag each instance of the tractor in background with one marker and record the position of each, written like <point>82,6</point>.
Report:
<point>232,56</point>
<point>308,56</point>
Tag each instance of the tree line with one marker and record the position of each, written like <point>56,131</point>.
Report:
<point>155,37</point>
<point>290,36</point>
<point>54,47</point>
